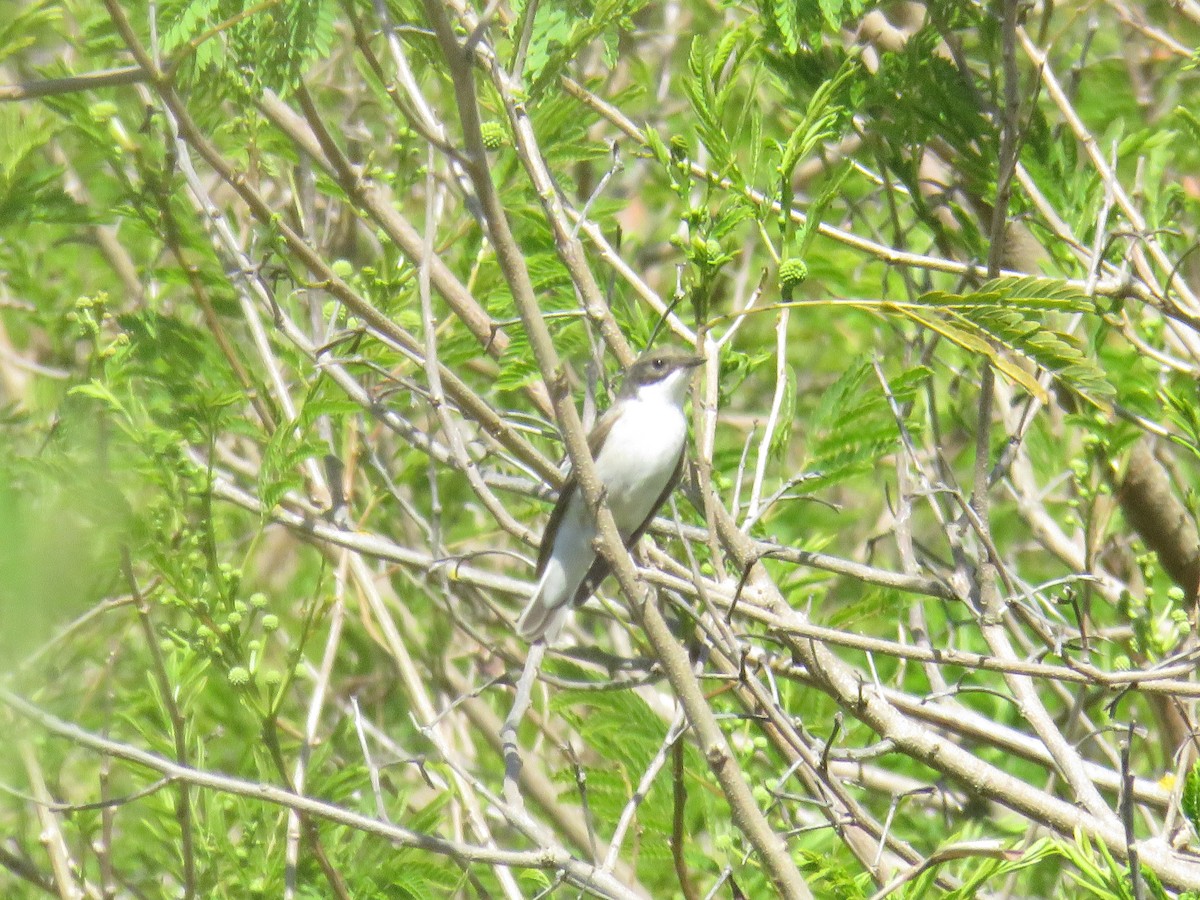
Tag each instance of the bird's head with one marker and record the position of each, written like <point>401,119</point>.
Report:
<point>661,374</point>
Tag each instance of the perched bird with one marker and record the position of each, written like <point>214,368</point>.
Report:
<point>638,448</point>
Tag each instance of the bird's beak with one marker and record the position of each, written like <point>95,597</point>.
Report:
<point>693,362</point>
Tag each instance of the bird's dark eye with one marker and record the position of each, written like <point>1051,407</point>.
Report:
<point>659,363</point>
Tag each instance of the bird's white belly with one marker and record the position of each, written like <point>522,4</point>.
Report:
<point>638,458</point>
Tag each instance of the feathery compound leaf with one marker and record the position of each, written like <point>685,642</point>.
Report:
<point>1028,293</point>
<point>268,46</point>
<point>973,339</point>
<point>1007,314</point>
<point>565,34</point>
<point>816,211</point>
<point>836,12</point>
<point>1040,293</point>
<point>707,104</point>
<point>782,14</point>
<point>624,734</point>
<point>1184,413</point>
<point>820,124</point>
<point>19,29</point>
<point>729,43</point>
<point>820,119</point>
<point>854,426</point>
<point>837,396</point>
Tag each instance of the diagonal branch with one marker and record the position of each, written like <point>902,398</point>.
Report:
<point>746,814</point>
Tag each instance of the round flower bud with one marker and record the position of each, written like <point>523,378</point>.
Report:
<point>494,135</point>
<point>792,273</point>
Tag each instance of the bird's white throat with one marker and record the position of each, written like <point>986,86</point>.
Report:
<point>668,391</point>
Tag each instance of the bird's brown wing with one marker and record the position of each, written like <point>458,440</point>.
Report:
<point>600,568</point>
<point>595,442</point>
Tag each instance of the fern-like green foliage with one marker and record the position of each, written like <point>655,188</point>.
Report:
<point>854,425</point>
<point>1097,873</point>
<point>823,121</point>
<point>796,23</point>
<point>559,31</point>
<point>709,98</point>
<point>270,44</point>
<point>1183,409</point>
<point>1014,317</point>
<point>626,735</point>
<point>31,189</point>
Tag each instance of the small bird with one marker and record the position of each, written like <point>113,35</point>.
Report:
<point>638,449</point>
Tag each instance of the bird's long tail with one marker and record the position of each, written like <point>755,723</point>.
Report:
<point>546,612</point>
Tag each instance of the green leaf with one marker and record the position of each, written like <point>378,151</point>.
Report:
<point>974,340</point>
<point>19,25</point>
<point>819,121</point>
<point>784,16</point>
<point>730,42</point>
<point>656,146</point>
<point>707,106</point>
<point>1190,799</point>
<point>854,426</point>
<point>816,211</point>
<point>782,437</point>
<point>97,391</point>
<point>1007,317</point>
<point>559,35</point>
<point>268,48</point>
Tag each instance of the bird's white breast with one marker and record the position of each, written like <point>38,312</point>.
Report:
<point>639,456</point>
